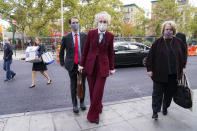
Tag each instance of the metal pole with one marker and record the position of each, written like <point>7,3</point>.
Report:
<point>62,18</point>
<point>13,34</point>
<point>3,35</point>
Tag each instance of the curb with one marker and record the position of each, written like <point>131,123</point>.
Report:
<point>69,108</point>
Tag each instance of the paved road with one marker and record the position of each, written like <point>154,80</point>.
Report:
<point>127,83</point>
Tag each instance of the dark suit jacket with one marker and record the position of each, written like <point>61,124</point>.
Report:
<point>157,60</point>
<point>104,53</point>
<point>68,44</point>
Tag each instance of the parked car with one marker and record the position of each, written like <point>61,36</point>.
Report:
<point>130,53</point>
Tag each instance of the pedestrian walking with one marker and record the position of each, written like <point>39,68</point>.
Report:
<point>7,57</point>
<point>73,43</point>
<point>39,66</point>
<point>166,63</point>
<point>98,63</point>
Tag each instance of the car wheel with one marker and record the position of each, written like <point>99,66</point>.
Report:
<point>144,61</point>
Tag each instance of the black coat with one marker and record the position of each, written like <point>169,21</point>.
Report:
<point>68,44</point>
<point>8,52</point>
<point>157,60</point>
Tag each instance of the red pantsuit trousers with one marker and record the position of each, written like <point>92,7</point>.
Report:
<point>96,87</point>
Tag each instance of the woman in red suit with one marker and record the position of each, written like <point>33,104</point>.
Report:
<point>98,63</point>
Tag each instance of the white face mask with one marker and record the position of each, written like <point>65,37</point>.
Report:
<point>102,27</point>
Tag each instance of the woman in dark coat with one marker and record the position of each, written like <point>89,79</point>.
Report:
<point>39,66</point>
<point>166,63</point>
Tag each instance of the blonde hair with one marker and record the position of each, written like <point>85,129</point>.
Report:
<point>172,24</point>
<point>38,38</point>
<point>102,15</point>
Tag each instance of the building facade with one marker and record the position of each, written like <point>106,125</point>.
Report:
<point>129,12</point>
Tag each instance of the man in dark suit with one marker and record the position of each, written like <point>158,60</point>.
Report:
<point>73,43</point>
<point>98,63</point>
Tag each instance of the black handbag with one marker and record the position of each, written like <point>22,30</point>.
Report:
<point>182,96</point>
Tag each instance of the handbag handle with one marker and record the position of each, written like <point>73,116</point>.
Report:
<point>183,80</point>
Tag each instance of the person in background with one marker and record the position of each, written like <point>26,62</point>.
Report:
<point>98,63</point>
<point>166,64</point>
<point>7,57</point>
<point>73,43</point>
<point>183,38</point>
<point>29,43</point>
<point>39,66</point>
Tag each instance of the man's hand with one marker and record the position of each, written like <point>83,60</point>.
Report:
<point>150,73</point>
<point>37,57</point>
<point>80,69</point>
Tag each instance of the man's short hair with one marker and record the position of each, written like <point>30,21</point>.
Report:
<point>74,17</point>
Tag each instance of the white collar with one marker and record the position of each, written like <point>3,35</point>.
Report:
<point>99,32</point>
<point>73,33</point>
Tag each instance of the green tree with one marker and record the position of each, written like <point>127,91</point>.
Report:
<point>85,10</point>
<point>31,16</point>
<point>141,23</point>
<point>127,30</point>
<point>187,23</point>
<point>163,11</point>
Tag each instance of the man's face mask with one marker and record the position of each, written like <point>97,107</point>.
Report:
<point>75,26</point>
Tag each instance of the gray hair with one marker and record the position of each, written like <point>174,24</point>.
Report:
<point>172,24</point>
<point>102,15</point>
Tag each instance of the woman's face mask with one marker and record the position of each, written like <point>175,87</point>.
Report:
<point>102,25</point>
<point>168,31</point>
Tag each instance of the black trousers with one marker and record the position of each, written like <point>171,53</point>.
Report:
<point>163,93</point>
<point>73,84</point>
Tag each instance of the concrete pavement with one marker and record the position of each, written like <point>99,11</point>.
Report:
<point>127,115</point>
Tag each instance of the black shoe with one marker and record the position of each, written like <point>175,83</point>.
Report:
<point>32,86</point>
<point>13,75</point>
<point>82,106</point>
<point>165,111</point>
<point>48,83</point>
<point>96,122</point>
<point>6,80</point>
<point>155,116</point>
<point>75,109</point>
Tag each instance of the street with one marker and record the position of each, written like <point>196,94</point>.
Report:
<point>127,83</point>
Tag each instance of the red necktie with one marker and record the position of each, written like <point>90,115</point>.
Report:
<point>76,49</point>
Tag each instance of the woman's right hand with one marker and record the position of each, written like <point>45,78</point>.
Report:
<point>150,73</point>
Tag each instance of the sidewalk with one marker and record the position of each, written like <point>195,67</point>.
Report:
<point>128,115</point>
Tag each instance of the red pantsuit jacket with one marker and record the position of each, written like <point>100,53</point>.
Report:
<point>104,53</point>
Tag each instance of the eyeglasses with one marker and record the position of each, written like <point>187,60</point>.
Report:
<point>74,22</point>
<point>104,22</point>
